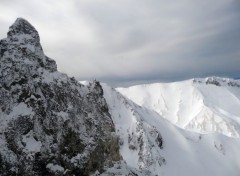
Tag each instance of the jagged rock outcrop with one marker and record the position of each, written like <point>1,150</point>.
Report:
<point>49,123</point>
<point>217,81</point>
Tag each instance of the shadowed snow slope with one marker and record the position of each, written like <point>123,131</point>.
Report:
<point>154,146</point>
<point>200,105</point>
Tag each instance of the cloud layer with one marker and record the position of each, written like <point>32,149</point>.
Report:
<point>122,41</point>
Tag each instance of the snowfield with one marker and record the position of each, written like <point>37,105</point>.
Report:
<point>151,121</point>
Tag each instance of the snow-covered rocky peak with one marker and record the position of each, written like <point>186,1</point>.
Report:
<point>23,37</point>
<point>49,123</point>
<point>22,27</point>
<point>22,56</point>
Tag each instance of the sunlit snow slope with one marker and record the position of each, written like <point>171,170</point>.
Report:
<point>154,146</point>
<point>201,105</point>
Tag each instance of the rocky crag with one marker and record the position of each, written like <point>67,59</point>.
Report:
<point>50,123</point>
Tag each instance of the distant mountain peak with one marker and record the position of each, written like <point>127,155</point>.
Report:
<point>21,27</point>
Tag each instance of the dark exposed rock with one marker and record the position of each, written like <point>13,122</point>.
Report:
<point>217,81</point>
<point>213,81</point>
<point>233,84</point>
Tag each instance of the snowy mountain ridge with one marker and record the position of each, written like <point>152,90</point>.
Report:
<point>203,105</point>
<point>155,146</point>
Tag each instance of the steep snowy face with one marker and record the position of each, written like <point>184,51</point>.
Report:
<point>49,123</point>
<point>151,145</point>
<point>201,105</point>
<point>141,143</point>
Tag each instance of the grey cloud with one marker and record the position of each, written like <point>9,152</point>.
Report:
<point>123,41</point>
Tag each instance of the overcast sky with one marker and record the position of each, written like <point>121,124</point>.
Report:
<point>119,41</point>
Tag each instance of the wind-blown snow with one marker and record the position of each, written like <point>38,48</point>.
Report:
<point>31,144</point>
<point>55,168</point>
